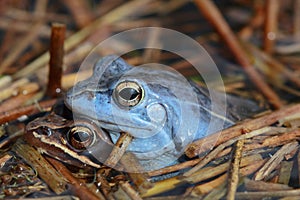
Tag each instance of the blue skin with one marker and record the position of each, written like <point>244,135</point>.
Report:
<point>160,129</point>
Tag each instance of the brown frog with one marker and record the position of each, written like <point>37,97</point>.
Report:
<point>66,141</point>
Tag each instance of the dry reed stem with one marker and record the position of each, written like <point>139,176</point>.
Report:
<point>252,185</point>
<point>204,174</point>
<point>43,168</point>
<point>77,187</point>
<point>118,149</point>
<point>56,59</point>
<point>271,21</point>
<point>204,144</point>
<point>28,38</point>
<point>234,169</point>
<point>127,188</point>
<point>275,160</point>
<point>11,115</point>
<point>211,155</point>
<point>285,172</point>
<point>114,15</point>
<point>211,12</point>
<point>269,194</point>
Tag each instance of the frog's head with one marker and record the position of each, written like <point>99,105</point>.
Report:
<point>142,101</point>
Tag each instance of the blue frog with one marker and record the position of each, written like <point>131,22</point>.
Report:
<point>162,110</point>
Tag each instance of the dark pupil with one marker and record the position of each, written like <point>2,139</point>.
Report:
<point>81,136</point>
<point>128,93</point>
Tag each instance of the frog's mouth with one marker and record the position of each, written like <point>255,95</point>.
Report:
<point>111,126</point>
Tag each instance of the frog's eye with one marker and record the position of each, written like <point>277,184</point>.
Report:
<point>128,93</point>
<point>80,137</point>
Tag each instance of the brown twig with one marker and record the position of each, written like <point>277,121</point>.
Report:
<point>69,79</point>
<point>127,188</point>
<point>24,42</point>
<point>271,20</point>
<point>252,185</point>
<point>275,160</point>
<point>209,186</point>
<point>211,12</point>
<point>23,27</point>
<point>4,158</point>
<point>285,172</point>
<point>78,54</point>
<point>204,174</point>
<point>72,41</point>
<point>269,194</point>
<point>208,158</point>
<point>56,59</point>
<point>11,89</point>
<point>126,25</point>
<point>211,155</point>
<point>15,102</point>
<point>274,64</point>
<point>204,144</point>
<point>217,193</point>
<point>174,168</point>
<point>44,169</point>
<point>18,49</point>
<point>118,150</point>
<point>260,144</point>
<point>234,169</point>
<point>256,21</point>
<point>103,184</point>
<point>77,187</point>
<point>105,6</point>
<point>12,137</point>
<point>135,172</point>
<point>25,16</point>
<point>274,141</point>
<point>11,115</point>
<point>162,186</point>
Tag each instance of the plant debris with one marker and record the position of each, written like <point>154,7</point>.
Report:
<point>255,45</point>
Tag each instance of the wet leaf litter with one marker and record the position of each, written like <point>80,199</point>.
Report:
<point>255,52</point>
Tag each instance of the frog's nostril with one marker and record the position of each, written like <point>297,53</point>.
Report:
<point>157,113</point>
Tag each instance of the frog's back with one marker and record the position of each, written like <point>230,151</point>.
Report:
<point>228,109</point>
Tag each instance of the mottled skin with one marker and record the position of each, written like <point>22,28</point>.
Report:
<point>163,122</point>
